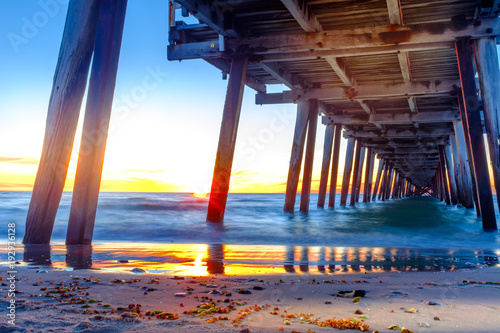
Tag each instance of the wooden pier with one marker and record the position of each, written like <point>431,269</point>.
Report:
<point>397,78</point>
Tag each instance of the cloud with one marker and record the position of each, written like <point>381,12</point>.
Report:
<point>144,171</point>
<point>15,187</point>
<point>19,160</point>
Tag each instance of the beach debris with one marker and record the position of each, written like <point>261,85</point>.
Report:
<point>43,271</point>
<point>433,303</point>
<point>138,270</point>
<point>245,330</point>
<point>406,330</point>
<point>244,291</point>
<point>356,299</point>
<point>479,282</point>
<point>364,317</point>
<point>328,302</point>
<point>437,318</point>
<point>412,310</point>
<point>359,312</point>
<point>394,327</point>
<point>342,324</point>
<point>258,288</point>
<point>175,277</point>
<point>424,324</point>
<point>351,293</point>
<point>180,294</point>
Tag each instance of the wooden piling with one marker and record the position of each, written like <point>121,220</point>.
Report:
<point>299,139</point>
<point>347,171</point>
<point>444,177</point>
<point>70,80</point>
<point>489,80</point>
<point>357,157</point>
<point>450,172</point>
<point>465,172</point>
<point>227,140</point>
<point>471,105</point>
<point>335,166</point>
<point>456,170</point>
<point>325,167</point>
<point>368,175</point>
<point>383,180</point>
<point>377,179</point>
<point>96,123</point>
<point>309,158</point>
<point>360,173</point>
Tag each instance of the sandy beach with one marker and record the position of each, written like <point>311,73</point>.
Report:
<point>103,301</point>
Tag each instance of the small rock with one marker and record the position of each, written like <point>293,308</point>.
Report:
<point>437,318</point>
<point>244,292</point>
<point>328,302</point>
<point>257,288</point>
<point>43,271</point>
<point>299,298</point>
<point>433,303</point>
<point>424,324</point>
<point>358,312</point>
<point>245,330</point>
<point>351,293</point>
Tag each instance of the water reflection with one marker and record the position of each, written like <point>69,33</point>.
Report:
<point>202,259</point>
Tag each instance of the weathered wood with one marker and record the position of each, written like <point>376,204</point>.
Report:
<point>384,179</point>
<point>309,158</point>
<point>299,138</point>
<point>473,120</point>
<point>368,175</point>
<point>450,172</point>
<point>381,164</point>
<point>358,177</point>
<point>456,169</point>
<point>357,159</point>
<point>395,133</point>
<point>301,14</point>
<point>335,166</point>
<point>347,171</point>
<point>96,123</point>
<point>227,140</point>
<point>388,184</point>
<point>396,185</point>
<point>465,173</point>
<point>70,80</point>
<point>363,92</point>
<point>325,167</point>
<point>444,176</point>
<point>489,80</point>
<point>394,118</point>
<point>288,79</point>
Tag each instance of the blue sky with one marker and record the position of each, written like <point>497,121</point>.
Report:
<point>164,140</point>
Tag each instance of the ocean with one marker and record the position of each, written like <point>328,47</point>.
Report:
<point>169,229</point>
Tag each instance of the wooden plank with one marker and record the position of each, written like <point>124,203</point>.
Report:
<point>279,73</point>
<point>473,121</point>
<point>196,50</point>
<point>70,80</point>
<point>394,11</point>
<point>309,158</point>
<point>368,175</point>
<point>362,92</point>
<point>96,123</point>
<point>227,140</point>
<point>395,118</point>
<point>299,138</point>
<point>325,167</point>
<point>335,166</point>
<point>304,18</point>
<point>404,64</point>
<point>347,171</point>
<point>489,80</point>
<point>412,103</point>
<point>450,173</point>
<point>381,164</point>
<point>357,160</point>
<point>225,67</point>
<point>394,133</point>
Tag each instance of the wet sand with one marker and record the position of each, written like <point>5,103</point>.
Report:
<point>90,300</point>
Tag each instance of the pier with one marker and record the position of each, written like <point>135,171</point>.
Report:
<point>412,85</point>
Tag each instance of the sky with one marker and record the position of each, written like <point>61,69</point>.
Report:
<point>163,140</point>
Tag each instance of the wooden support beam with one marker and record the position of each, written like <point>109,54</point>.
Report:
<point>489,80</point>
<point>216,16</point>
<point>394,118</point>
<point>354,185</point>
<point>384,179</point>
<point>394,133</point>
<point>368,175</point>
<point>282,75</point>
<point>347,171</point>
<point>412,103</point>
<point>325,167</point>
<point>450,172</point>
<point>70,80</point>
<point>335,166</point>
<point>473,120</point>
<point>463,163</point>
<point>299,138</point>
<point>396,185</point>
<point>227,140</point>
<point>304,18</point>
<point>362,92</point>
<point>96,123</point>
<point>444,175</point>
<point>360,173</point>
<point>381,164</point>
<point>225,67</point>
<point>309,158</point>
<point>456,169</point>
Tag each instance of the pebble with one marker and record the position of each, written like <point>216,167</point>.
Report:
<point>424,324</point>
<point>437,318</point>
<point>433,303</point>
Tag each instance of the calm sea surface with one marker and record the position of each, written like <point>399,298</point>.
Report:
<point>161,228</point>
